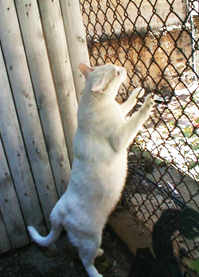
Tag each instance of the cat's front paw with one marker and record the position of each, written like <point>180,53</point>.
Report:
<point>138,92</point>
<point>149,102</point>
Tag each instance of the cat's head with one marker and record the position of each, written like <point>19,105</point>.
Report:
<point>104,79</point>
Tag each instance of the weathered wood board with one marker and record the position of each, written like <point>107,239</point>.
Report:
<point>38,114</point>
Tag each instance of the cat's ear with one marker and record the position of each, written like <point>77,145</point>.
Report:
<point>100,84</point>
<point>85,69</point>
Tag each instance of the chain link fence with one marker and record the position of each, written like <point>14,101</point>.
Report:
<point>157,42</point>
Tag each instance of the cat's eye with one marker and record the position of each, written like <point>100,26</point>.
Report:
<point>118,73</point>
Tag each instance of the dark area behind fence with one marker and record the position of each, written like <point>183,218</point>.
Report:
<point>157,42</point>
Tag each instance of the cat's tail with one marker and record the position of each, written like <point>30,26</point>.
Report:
<point>45,241</point>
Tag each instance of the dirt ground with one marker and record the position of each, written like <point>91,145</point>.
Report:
<point>63,260</point>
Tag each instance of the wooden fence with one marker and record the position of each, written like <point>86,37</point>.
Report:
<point>41,45</point>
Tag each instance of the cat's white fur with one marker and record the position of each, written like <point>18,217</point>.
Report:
<point>100,163</point>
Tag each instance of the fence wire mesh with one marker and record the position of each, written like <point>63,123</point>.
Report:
<point>157,42</point>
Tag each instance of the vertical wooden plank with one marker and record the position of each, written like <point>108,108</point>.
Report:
<point>60,63</point>
<point>26,106</point>
<point>15,152</point>
<point>4,241</point>
<point>9,207</point>
<point>43,84</point>
<point>76,39</point>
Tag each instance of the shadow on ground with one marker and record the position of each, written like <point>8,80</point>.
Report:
<point>63,260</point>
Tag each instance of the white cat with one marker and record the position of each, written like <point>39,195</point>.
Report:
<point>100,163</point>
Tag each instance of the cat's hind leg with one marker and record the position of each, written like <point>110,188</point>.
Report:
<point>88,251</point>
<point>88,246</point>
